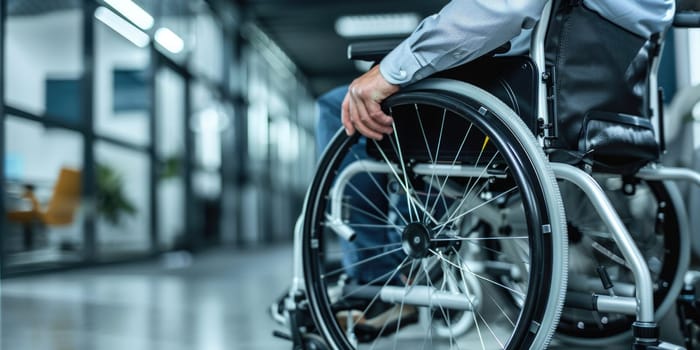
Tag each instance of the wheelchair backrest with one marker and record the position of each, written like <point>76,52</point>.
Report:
<point>599,90</point>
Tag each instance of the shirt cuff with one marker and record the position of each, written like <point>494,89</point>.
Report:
<point>400,66</point>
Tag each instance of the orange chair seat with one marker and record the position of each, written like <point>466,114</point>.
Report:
<point>62,206</point>
<point>23,217</point>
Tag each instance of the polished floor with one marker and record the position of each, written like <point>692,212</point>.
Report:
<point>214,301</point>
<point>217,302</point>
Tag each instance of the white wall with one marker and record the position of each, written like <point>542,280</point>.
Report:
<point>39,47</point>
<point>112,51</point>
<point>207,54</point>
<point>42,152</point>
<point>694,52</point>
<point>170,94</point>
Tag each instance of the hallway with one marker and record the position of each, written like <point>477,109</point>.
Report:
<point>216,301</point>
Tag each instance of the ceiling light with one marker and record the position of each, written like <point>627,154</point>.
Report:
<point>169,40</point>
<point>122,26</point>
<point>132,12</point>
<point>376,25</point>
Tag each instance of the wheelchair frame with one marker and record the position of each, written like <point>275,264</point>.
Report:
<point>641,306</point>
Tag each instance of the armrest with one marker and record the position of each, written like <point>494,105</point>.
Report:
<point>689,19</point>
<point>375,50</point>
<point>371,50</point>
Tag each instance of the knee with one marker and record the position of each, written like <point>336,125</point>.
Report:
<point>328,109</point>
<point>329,104</point>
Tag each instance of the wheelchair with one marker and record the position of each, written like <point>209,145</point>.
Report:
<point>503,228</point>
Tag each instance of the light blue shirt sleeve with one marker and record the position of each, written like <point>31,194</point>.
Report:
<point>462,31</point>
<point>643,17</point>
<point>467,29</point>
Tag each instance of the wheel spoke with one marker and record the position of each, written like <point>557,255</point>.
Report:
<point>408,186</point>
<point>437,156</point>
<point>378,247</point>
<point>376,183</point>
<point>461,271</point>
<point>411,200</point>
<point>470,189</point>
<point>369,202</point>
<point>363,261</point>
<point>377,279</point>
<point>461,262</point>
<point>454,161</point>
<point>439,255</point>
<point>360,210</point>
<point>450,220</point>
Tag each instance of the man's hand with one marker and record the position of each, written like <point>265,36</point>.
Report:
<point>361,106</point>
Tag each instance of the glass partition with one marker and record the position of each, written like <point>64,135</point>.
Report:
<point>43,59</point>
<point>123,198</point>
<point>170,134</point>
<point>122,80</point>
<point>43,194</point>
<point>207,53</point>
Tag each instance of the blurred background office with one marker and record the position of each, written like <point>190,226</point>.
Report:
<point>180,126</point>
<point>156,154</point>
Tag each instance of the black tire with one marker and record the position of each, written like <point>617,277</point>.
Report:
<point>515,165</point>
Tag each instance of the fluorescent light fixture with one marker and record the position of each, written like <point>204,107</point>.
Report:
<point>122,26</point>
<point>376,25</point>
<point>132,12</point>
<point>169,40</point>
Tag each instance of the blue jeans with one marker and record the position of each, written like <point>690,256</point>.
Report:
<point>361,211</point>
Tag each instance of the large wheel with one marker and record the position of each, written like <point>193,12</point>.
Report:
<point>655,217</point>
<point>457,154</point>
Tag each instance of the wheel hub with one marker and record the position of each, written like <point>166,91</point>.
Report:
<point>416,240</point>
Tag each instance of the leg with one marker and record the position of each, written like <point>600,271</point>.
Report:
<point>365,200</point>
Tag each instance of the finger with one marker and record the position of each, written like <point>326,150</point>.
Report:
<point>370,122</point>
<point>345,116</point>
<point>359,122</point>
<point>367,123</point>
<point>375,112</point>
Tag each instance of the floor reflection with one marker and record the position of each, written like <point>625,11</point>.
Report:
<point>217,302</point>
<point>213,301</point>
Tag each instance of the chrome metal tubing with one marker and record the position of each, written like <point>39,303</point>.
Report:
<point>642,277</point>
<point>537,54</point>
<point>662,173</point>
<point>298,267</point>
<point>669,173</point>
<point>623,305</point>
<point>427,296</point>
<point>334,219</point>
<point>453,170</point>
<point>415,295</point>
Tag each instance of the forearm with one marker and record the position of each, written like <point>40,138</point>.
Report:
<point>462,31</point>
